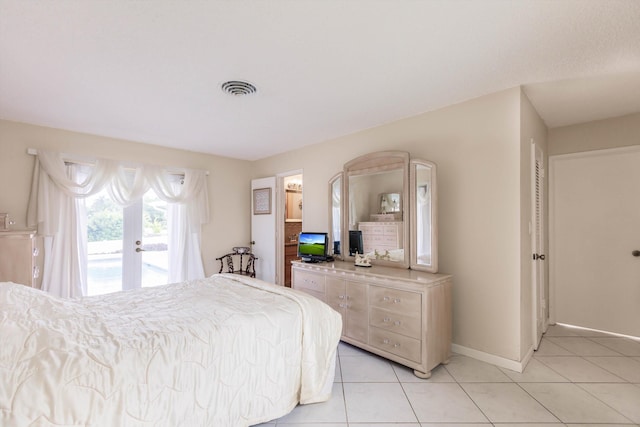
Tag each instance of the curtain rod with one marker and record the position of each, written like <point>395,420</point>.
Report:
<point>34,152</point>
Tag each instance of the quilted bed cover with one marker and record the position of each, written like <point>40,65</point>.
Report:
<point>222,351</point>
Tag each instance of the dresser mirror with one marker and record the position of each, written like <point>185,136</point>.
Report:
<point>390,202</point>
<point>423,216</point>
<point>384,233</point>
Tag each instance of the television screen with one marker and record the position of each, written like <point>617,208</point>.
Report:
<point>355,242</point>
<point>313,245</point>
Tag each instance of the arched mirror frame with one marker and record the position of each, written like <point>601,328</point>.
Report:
<point>429,209</point>
<point>374,163</point>
<point>411,208</point>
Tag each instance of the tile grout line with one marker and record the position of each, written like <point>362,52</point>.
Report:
<point>467,394</point>
<point>576,383</point>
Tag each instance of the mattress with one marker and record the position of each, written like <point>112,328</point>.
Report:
<point>223,351</point>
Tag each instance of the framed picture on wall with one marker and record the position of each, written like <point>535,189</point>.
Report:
<point>262,201</point>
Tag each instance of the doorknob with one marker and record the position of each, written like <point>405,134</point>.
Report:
<point>139,250</point>
<point>138,242</point>
<point>635,253</point>
<point>253,242</point>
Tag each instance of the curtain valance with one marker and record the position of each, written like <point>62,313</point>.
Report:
<point>125,185</point>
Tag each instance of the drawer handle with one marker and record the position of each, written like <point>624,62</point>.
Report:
<point>396,345</point>
<point>386,299</point>
<point>341,305</point>
<point>397,300</point>
<point>386,320</point>
<point>397,323</point>
<point>36,251</point>
<point>340,296</point>
<point>36,272</point>
<point>385,341</point>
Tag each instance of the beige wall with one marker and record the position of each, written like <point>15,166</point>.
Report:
<point>597,135</point>
<point>477,148</point>
<point>228,179</point>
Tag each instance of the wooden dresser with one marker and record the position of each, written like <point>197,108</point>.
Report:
<point>381,236</point>
<point>18,256</point>
<point>400,314</point>
<point>290,254</point>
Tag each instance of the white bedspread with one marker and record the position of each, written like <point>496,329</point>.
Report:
<point>224,351</point>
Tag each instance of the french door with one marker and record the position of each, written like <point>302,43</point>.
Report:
<point>127,247</point>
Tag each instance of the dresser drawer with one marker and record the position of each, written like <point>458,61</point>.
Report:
<point>395,300</point>
<point>397,344</point>
<point>407,324</point>
<point>391,230</point>
<point>306,281</point>
<point>390,240</point>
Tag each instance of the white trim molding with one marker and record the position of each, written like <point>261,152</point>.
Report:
<point>493,359</point>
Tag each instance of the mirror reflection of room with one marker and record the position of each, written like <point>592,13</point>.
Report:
<point>423,215</point>
<point>335,190</point>
<point>375,209</point>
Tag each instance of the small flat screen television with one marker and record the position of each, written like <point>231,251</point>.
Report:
<point>313,247</point>
<point>355,242</point>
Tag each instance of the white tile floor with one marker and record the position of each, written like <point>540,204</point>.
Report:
<point>576,378</point>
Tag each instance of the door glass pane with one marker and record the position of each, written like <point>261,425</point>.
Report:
<point>155,260</point>
<point>104,235</point>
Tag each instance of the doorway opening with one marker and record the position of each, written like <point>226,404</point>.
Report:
<point>291,225</point>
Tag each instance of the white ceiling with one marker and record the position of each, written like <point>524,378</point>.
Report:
<point>150,71</point>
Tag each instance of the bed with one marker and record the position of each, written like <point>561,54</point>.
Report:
<point>228,350</point>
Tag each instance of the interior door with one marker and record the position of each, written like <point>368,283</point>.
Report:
<point>537,241</point>
<point>595,218</point>
<point>263,227</point>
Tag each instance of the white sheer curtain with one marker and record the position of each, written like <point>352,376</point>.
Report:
<point>55,210</point>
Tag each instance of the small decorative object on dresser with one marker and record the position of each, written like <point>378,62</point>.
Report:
<point>362,260</point>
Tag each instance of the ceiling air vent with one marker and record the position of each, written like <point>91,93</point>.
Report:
<point>238,88</point>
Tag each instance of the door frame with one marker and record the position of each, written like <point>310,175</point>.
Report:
<point>538,229</point>
<point>280,219</point>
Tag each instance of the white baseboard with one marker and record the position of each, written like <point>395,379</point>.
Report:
<point>492,358</point>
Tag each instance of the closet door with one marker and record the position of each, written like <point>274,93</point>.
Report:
<point>595,239</point>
